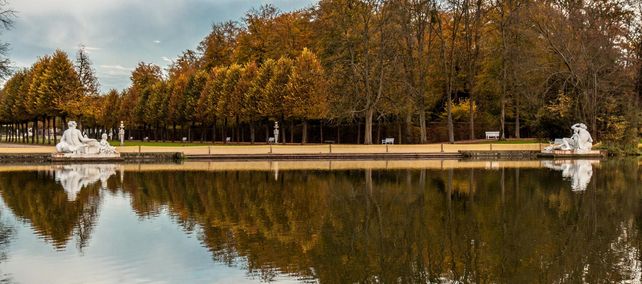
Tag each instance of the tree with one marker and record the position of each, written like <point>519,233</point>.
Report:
<point>306,90</point>
<point>208,99</point>
<point>255,99</point>
<point>217,47</point>
<point>61,85</point>
<point>86,73</point>
<point>275,93</point>
<point>417,23</point>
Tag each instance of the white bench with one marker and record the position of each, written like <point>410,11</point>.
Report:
<point>492,134</point>
<point>271,140</point>
<point>388,141</point>
<point>228,139</point>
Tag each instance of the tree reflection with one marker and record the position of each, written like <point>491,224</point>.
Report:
<point>500,225</point>
<point>37,199</point>
<point>410,226</point>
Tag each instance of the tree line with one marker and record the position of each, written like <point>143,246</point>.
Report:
<point>418,70</point>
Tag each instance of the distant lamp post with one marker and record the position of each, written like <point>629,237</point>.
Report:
<point>121,133</point>
<point>276,132</point>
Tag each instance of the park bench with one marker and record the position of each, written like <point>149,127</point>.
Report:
<point>328,141</point>
<point>271,140</point>
<point>388,141</point>
<point>228,139</point>
<point>492,134</point>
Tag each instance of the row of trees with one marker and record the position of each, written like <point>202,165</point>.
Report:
<point>539,64</point>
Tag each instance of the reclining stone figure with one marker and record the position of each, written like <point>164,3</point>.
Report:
<point>73,141</point>
<point>580,142</point>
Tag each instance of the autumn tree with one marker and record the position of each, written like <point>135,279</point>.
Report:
<point>306,90</point>
<point>217,47</point>
<point>255,99</point>
<point>417,20</point>
<point>276,91</point>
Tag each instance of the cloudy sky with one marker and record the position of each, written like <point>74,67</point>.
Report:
<point>120,33</point>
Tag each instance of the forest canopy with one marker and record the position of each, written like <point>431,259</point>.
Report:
<point>361,70</point>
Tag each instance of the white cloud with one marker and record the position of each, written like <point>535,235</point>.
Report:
<point>114,70</point>
<point>166,59</point>
<point>157,41</point>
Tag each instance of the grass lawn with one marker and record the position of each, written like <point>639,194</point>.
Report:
<point>512,142</point>
<point>160,144</point>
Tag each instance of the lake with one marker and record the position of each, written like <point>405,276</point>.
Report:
<point>322,221</point>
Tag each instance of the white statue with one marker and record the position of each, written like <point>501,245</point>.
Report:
<point>104,147</point>
<point>580,142</point>
<point>121,133</point>
<point>578,171</point>
<point>73,141</point>
<point>276,132</point>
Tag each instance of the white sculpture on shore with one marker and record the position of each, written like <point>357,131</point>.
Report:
<point>74,142</point>
<point>580,142</point>
<point>105,148</point>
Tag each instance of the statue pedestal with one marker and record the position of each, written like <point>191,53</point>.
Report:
<point>71,157</point>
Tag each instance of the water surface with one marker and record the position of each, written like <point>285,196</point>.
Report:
<point>321,221</point>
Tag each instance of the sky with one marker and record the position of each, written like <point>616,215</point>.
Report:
<point>118,34</point>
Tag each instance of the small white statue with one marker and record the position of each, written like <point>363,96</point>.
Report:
<point>580,142</point>
<point>73,141</point>
<point>276,132</point>
<point>104,147</point>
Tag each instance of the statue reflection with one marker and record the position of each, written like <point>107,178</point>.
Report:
<point>60,203</point>
<point>578,171</point>
<point>74,178</point>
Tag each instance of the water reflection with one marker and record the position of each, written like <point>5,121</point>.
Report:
<point>578,171</point>
<point>463,224</point>
<point>73,178</point>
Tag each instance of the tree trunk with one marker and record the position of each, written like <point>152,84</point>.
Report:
<point>399,128</point>
<point>408,138</point>
<point>517,126</point>
<point>34,136</point>
<point>422,127</point>
<point>189,131</point>
<point>267,132</point>
<point>173,131</point>
<point>304,134</point>
<point>358,132</point>
<point>367,135</point>
<point>451,130</point>
<point>378,131</point>
<point>282,134</point>
<point>291,131</point>
<point>471,113</point>
<point>321,131</point>
<point>338,134</point>
<point>214,132</point>
<point>225,131</point>
<point>238,130</point>
<point>252,133</point>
